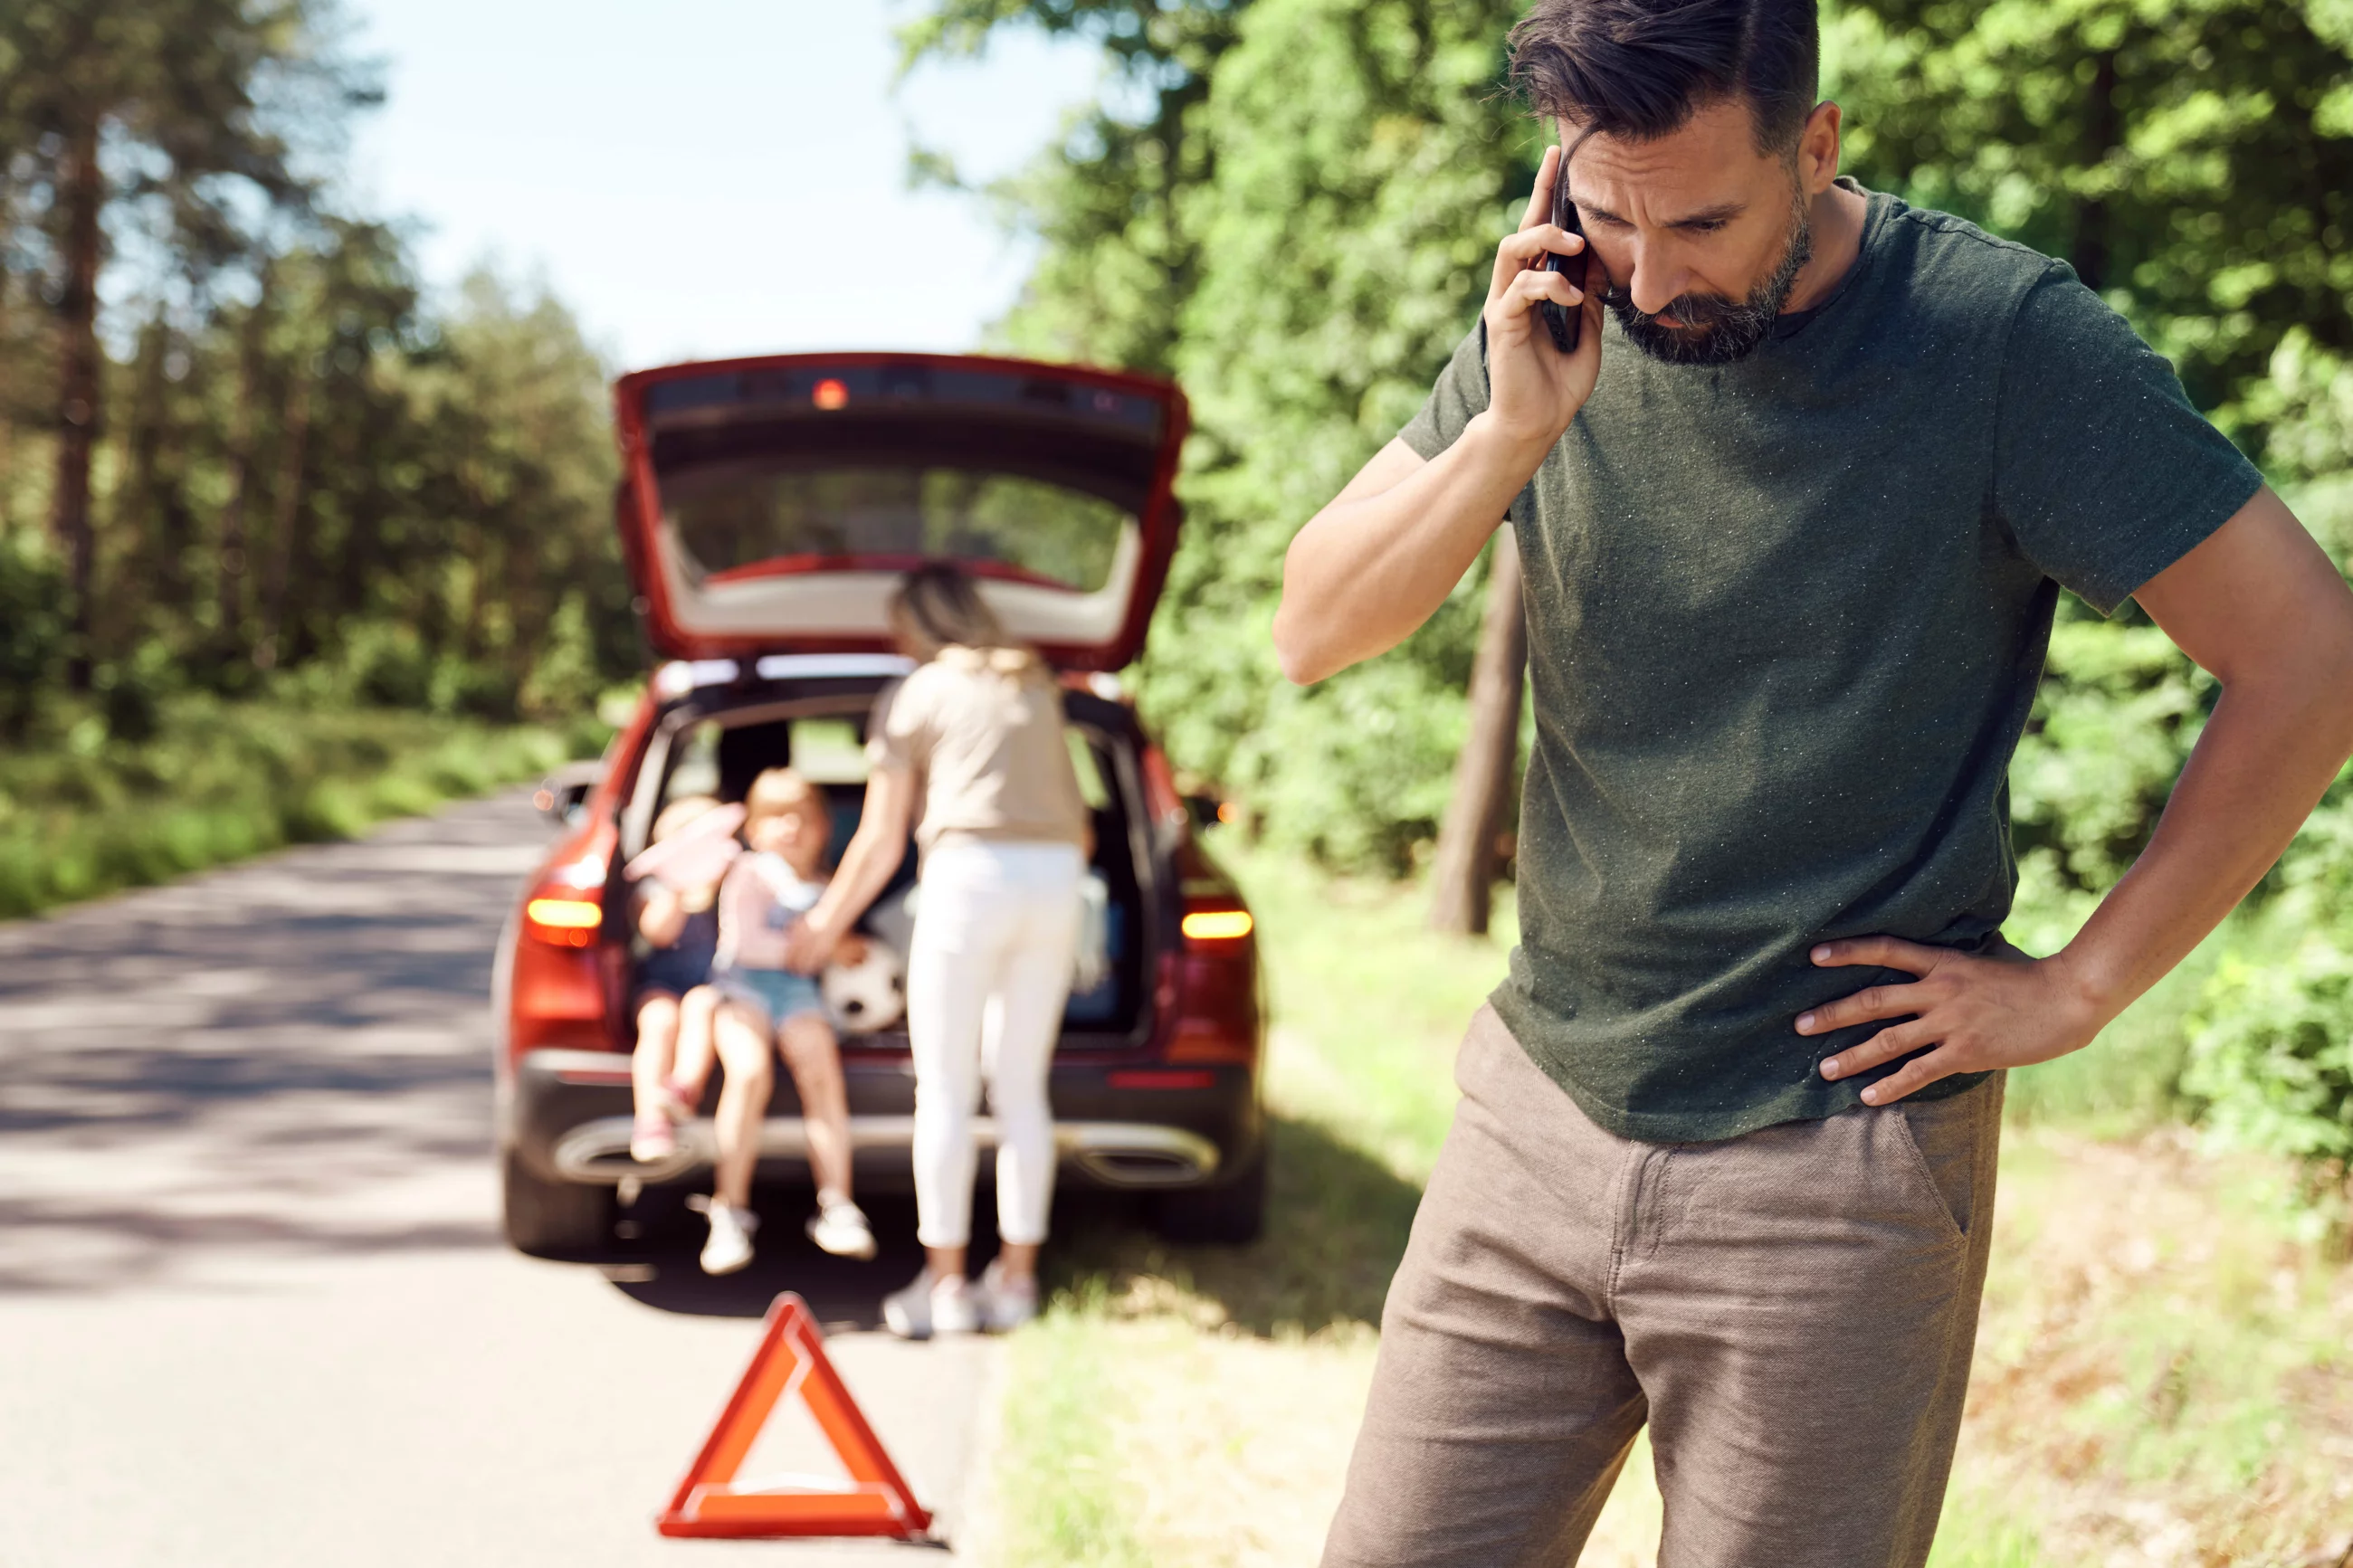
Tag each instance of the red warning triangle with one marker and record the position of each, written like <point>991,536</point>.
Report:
<point>876,1501</point>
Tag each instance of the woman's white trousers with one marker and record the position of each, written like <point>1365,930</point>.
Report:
<point>987,972</point>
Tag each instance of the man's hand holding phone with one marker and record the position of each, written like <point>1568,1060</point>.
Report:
<point>1384,554</point>
<point>1534,390</point>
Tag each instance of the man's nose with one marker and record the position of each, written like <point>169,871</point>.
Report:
<point>1656,280</point>
<point>1655,287</point>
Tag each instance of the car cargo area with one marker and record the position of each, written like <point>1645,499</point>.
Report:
<point>718,740</point>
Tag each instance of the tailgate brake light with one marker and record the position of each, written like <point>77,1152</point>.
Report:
<point>1196,1077</point>
<point>564,922</point>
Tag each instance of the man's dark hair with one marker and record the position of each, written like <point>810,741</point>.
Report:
<point>1640,68</point>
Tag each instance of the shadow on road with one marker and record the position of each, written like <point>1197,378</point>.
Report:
<point>72,1247</point>
<point>657,1267</point>
<point>1337,1224</point>
<point>281,1060</point>
<point>129,1093</point>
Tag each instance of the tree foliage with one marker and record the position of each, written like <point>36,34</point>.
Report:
<point>2272,1054</point>
<point>1345,168</point>
<point>2193,159</point>
<point>152,115</point>
<point>270,456</point>
<point>1120,259</point>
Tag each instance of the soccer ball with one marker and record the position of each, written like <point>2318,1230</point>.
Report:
<point>867,995</point>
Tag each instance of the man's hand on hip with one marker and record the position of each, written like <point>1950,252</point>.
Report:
<point>2002,1010</point>
<point>2262,609</point>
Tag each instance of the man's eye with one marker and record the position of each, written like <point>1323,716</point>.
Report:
<point>1705,225</point>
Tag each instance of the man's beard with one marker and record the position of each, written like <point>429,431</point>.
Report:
<point>1717,331</point>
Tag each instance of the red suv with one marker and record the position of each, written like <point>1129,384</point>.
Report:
<point>767,508</point>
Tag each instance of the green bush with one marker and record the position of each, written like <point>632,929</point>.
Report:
<point>564,678</point>
<point>384,665</point>
<point>2274,1055</point>
<point>2271,1048</point>
<point>387,665</point>
<point>32,630</point>
<point>86,812</point>
<point>475,688</point>
<point>131,691</point>
<point>2117,711</point>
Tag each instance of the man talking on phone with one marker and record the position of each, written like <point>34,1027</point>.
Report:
<point>1795,513</point>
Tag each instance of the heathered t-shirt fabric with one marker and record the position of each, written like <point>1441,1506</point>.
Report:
<point>989,747</point>
<point>1785,617</point>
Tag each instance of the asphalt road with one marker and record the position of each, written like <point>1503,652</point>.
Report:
<point>254,1306</point>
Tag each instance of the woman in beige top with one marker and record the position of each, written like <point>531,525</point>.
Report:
<point>976,734</point>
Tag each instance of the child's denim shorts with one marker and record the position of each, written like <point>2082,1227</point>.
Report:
<point>777,994</point>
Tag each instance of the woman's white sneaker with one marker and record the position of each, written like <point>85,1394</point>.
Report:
<point>730,1247</point>
<point>1007,1304</point>
<point>840,1227</point>
<point>928,1305</point>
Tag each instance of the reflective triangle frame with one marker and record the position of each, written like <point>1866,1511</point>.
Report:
<point>791,1360</point>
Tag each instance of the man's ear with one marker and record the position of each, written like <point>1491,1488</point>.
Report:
<point>1818,149</point>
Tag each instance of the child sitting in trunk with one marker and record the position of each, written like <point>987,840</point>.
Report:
<point>763,1006</point>
<point>677,914</point>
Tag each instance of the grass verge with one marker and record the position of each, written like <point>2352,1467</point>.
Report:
<point>218,781</point>
<point>1062,1427</point>
<point>2165,1368</point>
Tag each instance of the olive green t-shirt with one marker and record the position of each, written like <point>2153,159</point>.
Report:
<point>1785,617</point>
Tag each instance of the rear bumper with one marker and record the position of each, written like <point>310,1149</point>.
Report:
<point>1126,1126</point>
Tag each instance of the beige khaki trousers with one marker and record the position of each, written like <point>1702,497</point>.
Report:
<point>1791,1311</point>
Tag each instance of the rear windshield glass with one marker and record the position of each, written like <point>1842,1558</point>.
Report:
<point>739,514</point>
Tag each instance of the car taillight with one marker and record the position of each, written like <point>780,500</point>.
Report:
<point>1216,994</point>
<point>563,921</point>
<point>1213,928</point>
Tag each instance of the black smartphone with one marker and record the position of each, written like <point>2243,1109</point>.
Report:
<point>1565,320</point>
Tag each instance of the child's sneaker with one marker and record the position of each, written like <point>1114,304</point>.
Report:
<point>652,1138</point>
<point>928,1306</point>
<point>1007,1304</point>
<point>730,1247</point>
<point>840,1227</point>
<point>676,1102</point>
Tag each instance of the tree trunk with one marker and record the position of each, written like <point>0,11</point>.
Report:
<point>471,640</point>
<point>137,521</point>
<point>244,432</point>
<point>283,541</point>
<point>1480,803</point>
<point>363,513</point>
<point>84,194</point>
<point>2103,129</point>
<point>526,616</point>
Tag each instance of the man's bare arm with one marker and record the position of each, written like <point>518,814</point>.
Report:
<point>1370,567</point>
<point>1374,564</point>
<point>2262,609</point>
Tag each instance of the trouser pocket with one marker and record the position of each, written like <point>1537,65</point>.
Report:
<point>1950,1143</point>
